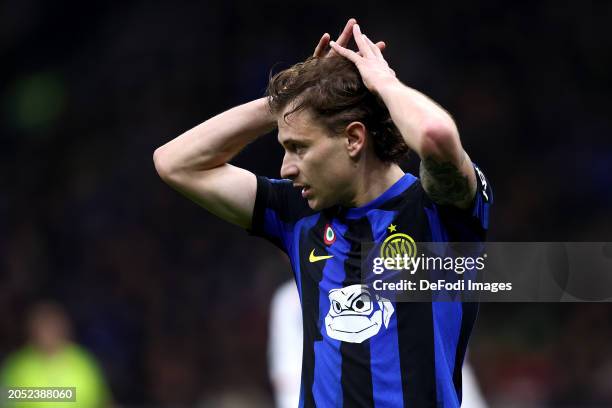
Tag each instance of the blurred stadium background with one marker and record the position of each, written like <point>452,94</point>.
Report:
<point>174,303</point>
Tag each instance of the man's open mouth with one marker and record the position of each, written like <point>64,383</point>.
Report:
<point>305,190</point>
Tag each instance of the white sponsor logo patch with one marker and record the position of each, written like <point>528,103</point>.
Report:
<point>354,315</point>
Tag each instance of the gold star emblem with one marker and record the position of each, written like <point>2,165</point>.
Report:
<point>391,228</point>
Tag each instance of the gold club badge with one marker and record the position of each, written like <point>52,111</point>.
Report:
<point>398,244</point>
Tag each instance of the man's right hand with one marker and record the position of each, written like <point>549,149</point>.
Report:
<point>322,50</point>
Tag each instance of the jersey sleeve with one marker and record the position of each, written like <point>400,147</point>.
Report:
<point>471,224</point>
<point>278,206</point>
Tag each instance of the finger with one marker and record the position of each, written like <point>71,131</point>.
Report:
<point>381,45</point>
<point>370,44</point>
<point>318,52</point>
<point>373,47</point>
<point>345,36</point>
<point>345,52</point>
<point>361,43</point>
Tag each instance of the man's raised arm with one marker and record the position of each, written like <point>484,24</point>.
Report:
<point>195,163</point>
<point>446,171</point>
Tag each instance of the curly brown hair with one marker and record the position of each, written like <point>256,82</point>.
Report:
<point>332,90</point>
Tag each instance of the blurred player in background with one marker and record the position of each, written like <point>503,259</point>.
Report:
<point>51,359</point>
<point>345,121</point>
<point>285,345</point>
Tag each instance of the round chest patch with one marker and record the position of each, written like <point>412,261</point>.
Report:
<point>329,237</point>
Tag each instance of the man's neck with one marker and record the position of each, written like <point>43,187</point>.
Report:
<point>374,181</point>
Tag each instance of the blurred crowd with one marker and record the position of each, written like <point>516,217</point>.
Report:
<point>174,303</point>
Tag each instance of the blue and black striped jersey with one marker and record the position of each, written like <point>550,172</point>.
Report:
<point>381,354</point>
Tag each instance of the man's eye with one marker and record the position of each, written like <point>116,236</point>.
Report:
<point>295,148</point>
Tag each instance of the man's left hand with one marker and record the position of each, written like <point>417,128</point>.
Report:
<point>374,69</point>
<point>343,39</point>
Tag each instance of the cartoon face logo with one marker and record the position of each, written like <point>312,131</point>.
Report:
<point>354,316</point>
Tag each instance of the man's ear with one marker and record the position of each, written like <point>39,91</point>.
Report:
<point>355,133</point>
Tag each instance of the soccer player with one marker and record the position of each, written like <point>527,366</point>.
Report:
<point>345,121</point>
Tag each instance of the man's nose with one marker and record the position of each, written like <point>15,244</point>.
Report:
<point>288,169</point>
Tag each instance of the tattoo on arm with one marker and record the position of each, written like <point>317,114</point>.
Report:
<point>445,183</point>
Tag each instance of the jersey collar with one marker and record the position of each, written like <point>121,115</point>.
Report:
<point>396,189</point>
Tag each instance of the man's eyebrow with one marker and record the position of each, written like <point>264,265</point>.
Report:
<point>292,140</point>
